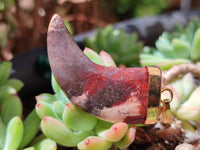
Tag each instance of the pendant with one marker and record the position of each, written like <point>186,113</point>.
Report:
<point>130,95</point>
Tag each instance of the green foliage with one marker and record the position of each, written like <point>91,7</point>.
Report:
<point>14,133</point>
<point>31,127</point>
<point>6,4</point>
<point>185,105</point>
<point>69,27</point>
<point>180,46</point>
<point>136,8</point>
<point>123,49</point>
<point>69,126</point>
<point>149,7</point>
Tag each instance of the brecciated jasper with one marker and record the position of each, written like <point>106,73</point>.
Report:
<point>130,95</point>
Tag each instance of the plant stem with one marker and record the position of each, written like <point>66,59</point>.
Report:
<point>180,70</point>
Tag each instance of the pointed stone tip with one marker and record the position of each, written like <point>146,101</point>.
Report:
<point>56,24</point>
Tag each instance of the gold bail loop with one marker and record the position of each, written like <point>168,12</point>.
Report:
<point>167,116</point>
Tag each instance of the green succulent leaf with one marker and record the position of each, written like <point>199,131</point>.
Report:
<point>190,109</point>
<point>59,108</point>
<point>102,126</point>
<point>115,132</point>
<point>123,48</point>
<point>38,139</point>
<point>5,92</point>
<point>2,134</point>
<point>77,119</point>
<point>179,47</point>
<point>92,55</point>
<point>58,91</point>
<point>31,128</point>
<point>127,139</point>
<point>15,83</point>
<point>61,134</point>
<point>94,143</point>
<point>195,53</point>
<point>46,98</point>
<point>5,69</point>
<point>184,87</point>
<point>14,134</point>
<point>11,107</point>
<point>108,61</point>
<point>45,109</point>
<point>45,144</point>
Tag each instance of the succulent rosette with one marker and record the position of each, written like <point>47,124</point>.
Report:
<point>124,49</point>
<point>178,54</point>
<point>185,105</point>
<point>69,126</point>
<point>179,47</point>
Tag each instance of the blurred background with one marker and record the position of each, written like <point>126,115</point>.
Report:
<point>24,23</point>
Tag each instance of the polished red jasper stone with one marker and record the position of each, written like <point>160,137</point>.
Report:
<point>109,93</point>
<point>111,87</point>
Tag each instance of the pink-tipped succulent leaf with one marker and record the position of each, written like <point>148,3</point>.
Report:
<point>109,93</point>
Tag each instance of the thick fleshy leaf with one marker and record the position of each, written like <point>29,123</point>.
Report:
<point>115,133</point>
<point>59,108</point>
<point>15,83</point>
<point>181,49</point>
<point>76,119</point>
<point>92,55</point>
<point>11,107</point>
<point>14,134</point>
<point>94,143</point>
<point>59,94</point>
<point>164,45</point>
<point>46,144</point>
<point>189,113</point>
<point>167,65</point>
<point>45,109</point>
<point>31,128</point>
<point>127,139</point>
<point>108,61</point>
<point>195,53</point>
<point>2,134</point>
<point>46,97</point>
<point>6,91</point>
<point>189,85</point>
<point>190,110</point>
<point>5,68</point>
<point>184,87</point>
<point>57,131</point>
<point>123,48</point>
<point>102,126</point>
<point>163,63</point>
<point>38,139</point>
<point>55,86</point>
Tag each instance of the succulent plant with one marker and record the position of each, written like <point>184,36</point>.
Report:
<point>178,47</point>
<point>178,54</point>
<point>123,48</point>
<point>185,105</point>
<point>15,133</point>
<point>69,126</point>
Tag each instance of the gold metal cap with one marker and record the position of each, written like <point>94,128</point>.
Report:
<point>156,104</point>
<point>154,94</point>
